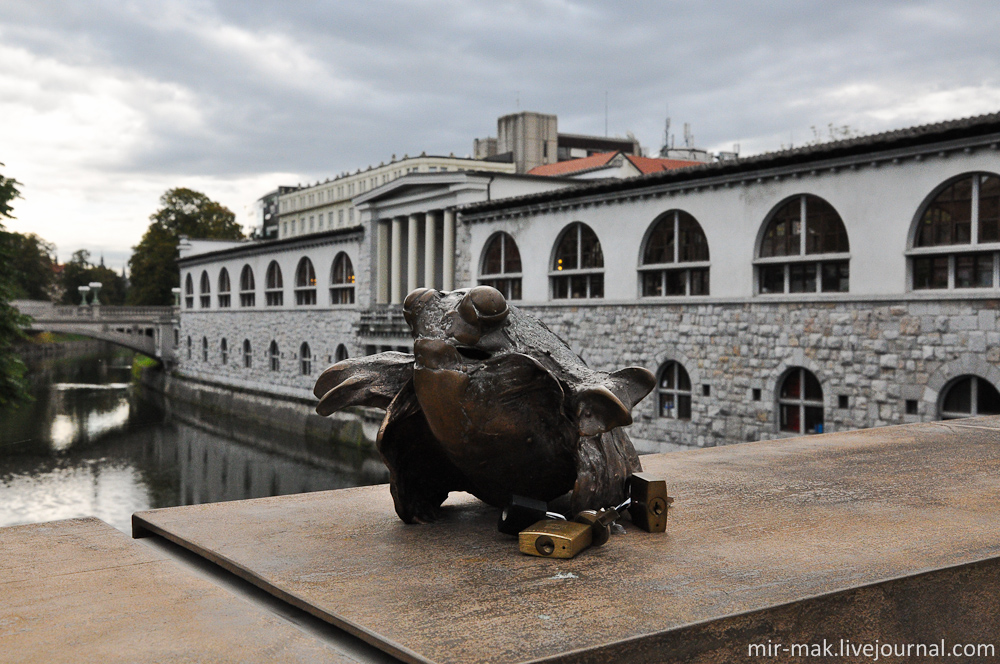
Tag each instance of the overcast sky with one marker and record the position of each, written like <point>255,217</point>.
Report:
<point>106,104</point>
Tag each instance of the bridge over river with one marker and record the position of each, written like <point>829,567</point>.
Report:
<point>148,330</point>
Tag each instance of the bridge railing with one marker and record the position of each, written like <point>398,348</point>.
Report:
<point>48,311</point>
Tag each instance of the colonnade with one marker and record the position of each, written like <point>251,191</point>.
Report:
<point>409,248</point>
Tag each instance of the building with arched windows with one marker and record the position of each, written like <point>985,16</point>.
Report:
<point>837,286</point>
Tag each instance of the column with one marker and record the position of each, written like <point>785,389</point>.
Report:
<point>412,253</point>
<point>430,249</point>
<point>397,260</point>
<point>382,262</point>
<point>448,262</point>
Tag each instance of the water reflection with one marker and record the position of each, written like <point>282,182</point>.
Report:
<point>94,444</point>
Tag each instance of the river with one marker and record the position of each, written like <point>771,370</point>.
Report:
<point>95,443</point>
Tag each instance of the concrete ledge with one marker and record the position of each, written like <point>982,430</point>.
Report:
<point>888,534</point>
<point>81,591</point>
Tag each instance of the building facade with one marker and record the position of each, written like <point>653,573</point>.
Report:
<point>846,285</point>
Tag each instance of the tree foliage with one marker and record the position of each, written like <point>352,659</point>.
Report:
<point>12,323</point>
<point>80,272</point>
<point>32,265</point>
<point>153,266</point>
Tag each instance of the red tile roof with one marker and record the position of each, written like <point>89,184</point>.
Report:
<point>573,165</point>
<point>655,165</point>
<point>644,164</point>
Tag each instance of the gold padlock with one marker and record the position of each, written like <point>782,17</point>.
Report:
<point>555,539</point>
<point>650,502</point>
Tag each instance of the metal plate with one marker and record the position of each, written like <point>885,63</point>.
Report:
<point>889,533</point>
<point>81,591</point>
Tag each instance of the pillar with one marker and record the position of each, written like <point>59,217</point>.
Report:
<point>448,262</point>
<point>412,253</point>
<point>430,249</point>
<point>397,260</point>
<point>382,262</point>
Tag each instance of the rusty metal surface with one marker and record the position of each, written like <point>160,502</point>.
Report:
<point>879,533</point>
<point>81,591</point>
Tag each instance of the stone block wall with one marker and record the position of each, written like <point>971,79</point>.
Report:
<point>876,354</point>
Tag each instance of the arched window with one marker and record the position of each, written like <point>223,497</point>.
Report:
<point>341,354</point>
<point>247,296</point>
<point>204,349</point>
<point>956,242</point>
<point>342,280</point>
<point>578,264</point>
<point>274,356</point>
<point>501,266</point>
<point>206,290</point>
<point>305,282</point>
<point>189,348</point>
<point>800,402</point>
<point>224,288</point>
<point>305,359</point>
<point>274,295</point>
<point>247,354</point>
<point>804,249</point>
<point>674,392</point>
<point>675,257</point>
<point>969,396</point>
<point>189,292</point>
<point>224,350</point>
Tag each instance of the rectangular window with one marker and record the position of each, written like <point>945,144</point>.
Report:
<point>350,215</point>
<point>699,282</point>
<point>247,299</point>
<point>802,278</point>
<point>224,300</point>
<point>772,278</point>
<point>652,284</point>
<point>274,298</point>
<point>836,277</point>
<point>930,272</point>
<point>676,282</point>
<point>974,271</point>
<point>340,217</point>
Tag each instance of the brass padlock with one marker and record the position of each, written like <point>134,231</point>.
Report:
<point>650,502</point>
<point>521,512</point>
<point>600,522</point>
<point>555,539</point>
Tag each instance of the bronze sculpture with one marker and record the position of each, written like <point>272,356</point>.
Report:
<point>494,403</point>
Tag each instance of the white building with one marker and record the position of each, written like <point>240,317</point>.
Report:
<point>838,286</point>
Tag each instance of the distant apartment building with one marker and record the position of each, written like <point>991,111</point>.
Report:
<point>327,205</point>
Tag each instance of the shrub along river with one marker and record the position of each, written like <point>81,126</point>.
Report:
<point>96,443</point>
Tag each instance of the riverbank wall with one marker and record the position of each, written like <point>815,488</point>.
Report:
<point>31,352</point>
<point>289,413</point>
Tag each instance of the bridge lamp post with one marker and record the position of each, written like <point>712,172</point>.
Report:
<point>177,296</point>
<point>84,290</point>
<point>95,287</point>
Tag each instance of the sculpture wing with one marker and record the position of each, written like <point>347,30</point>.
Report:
<point>363,381</point>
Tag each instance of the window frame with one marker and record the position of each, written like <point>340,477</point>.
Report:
<point>305,359</point>
<point>274,356</point>
<point>680,396</point>
<point>802,259</point>
<point>224,351</point>
<point>189,292</point>
<point>205,291</point>
<point>503,281</point>
<point>274,296</point>
<point>955,251</point>
<point>224,296</point>
<point>973,397</point>
<point>248,296</point>
<point>305,293</point>
<point>567,274</point>
<point>247,354</point>
<point>342,292</point>
<point>686,268</point>
<point>801,402</point>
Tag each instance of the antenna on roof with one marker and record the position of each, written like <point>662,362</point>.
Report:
<point>688,136</point>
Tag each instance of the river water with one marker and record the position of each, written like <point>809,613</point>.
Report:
<point>93,443</point>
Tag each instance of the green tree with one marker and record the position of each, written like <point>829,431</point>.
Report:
<point>80,272</point>
<point>12,323</point>
<point>32,265</point>
<point>153,266</point>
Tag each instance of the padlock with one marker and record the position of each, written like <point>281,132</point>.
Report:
<point>555,539</point>
<point>650,502</point>
<point>600,522</point>
<point>521,512</point>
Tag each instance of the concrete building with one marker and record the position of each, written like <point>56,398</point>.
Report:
<point>529,140</point>
<point>839,286</point>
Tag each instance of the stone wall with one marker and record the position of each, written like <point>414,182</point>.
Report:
<point>876,354</point>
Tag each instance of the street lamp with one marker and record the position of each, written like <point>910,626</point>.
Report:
<point>83,294</point>
<point>177,296</point>
<point>95,286</point>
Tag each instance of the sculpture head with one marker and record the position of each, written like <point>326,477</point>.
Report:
<point>499,403</point>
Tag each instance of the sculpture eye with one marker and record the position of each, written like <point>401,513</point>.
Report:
<point>483,305</point>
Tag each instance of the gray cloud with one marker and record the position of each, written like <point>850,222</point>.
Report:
<point>240,88</point>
